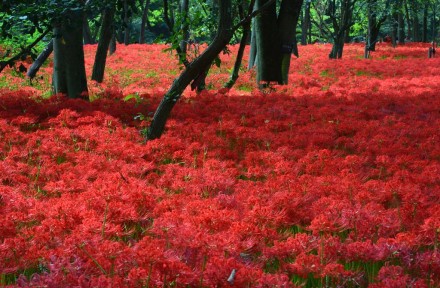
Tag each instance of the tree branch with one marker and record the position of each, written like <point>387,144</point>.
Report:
<point>25,51</point>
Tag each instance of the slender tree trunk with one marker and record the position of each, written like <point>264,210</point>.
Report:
<point>24,52</point>
<point>408,18</point>
<point>184,11</point>
<point>401,31</point>
<point>126,24</point>
<point>305,25</point>
<point>105,36</point>
<point>144,21</point>
<point>42,57</point>
<point>425,24</point>
<point>69,69</point>
<point>394,29</point>
<point>200,64</point>
<point>244,39</point>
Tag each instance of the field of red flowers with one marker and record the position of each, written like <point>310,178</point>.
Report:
<point>331,181</point>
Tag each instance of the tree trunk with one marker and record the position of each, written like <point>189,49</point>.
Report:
<point>112,46</point>
<point>268,43</point>
<point>408,19</point>
<point>394,29</point>
<point>69,70</point>
<point>126,24</point>
<point>105,36</point>
<point>305,25</point>
<point>199,65</point>
<point>287,22</point>
<point>401,27</point>
<point>42,57</point>
<point>253,49</point>
<point>244,39</point>
<point>88,38</point>
<point>425,24</point>
<point>184,12</point>
<point>144,22</point>
<point>340,27</point>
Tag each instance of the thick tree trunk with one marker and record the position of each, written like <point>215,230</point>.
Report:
<point>69,70</point>
<point>268,43</point>
<point>287,22</point>
<point>199,65</point>
<point>144,21</point>
<point>253,49</point>
<point>59,80</point>
<point>340,26</point>
<point>105,36</point>
<point>374,25</point>
<point>42,57</point>
<point>112,46</point>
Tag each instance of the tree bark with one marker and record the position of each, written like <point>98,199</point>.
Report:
<point>305,25</point>
<point>88,38</point>
<point>105,36</point>
<point>340,26</point>
<point>244,39</point>
<point>184,11</point>
<point>253,49</point>
<point>69,69</point>
<point>144,22</point>
<point>425,24</point>
<point>200,64</point>
<point>126,24</point>
<point>401,28</point>
<point>42,57</point>
<point>287,22</point>
<point>267,43</point>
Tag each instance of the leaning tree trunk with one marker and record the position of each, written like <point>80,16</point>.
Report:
<point>244,39</point>
<point>199,65</point>
<point>105,36</point>
<point>69,76</point>
<point>42,57</point>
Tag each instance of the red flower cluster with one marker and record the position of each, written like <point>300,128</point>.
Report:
<point>331,181</point>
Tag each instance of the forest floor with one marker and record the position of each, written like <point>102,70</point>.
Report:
<point>330,181</point>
